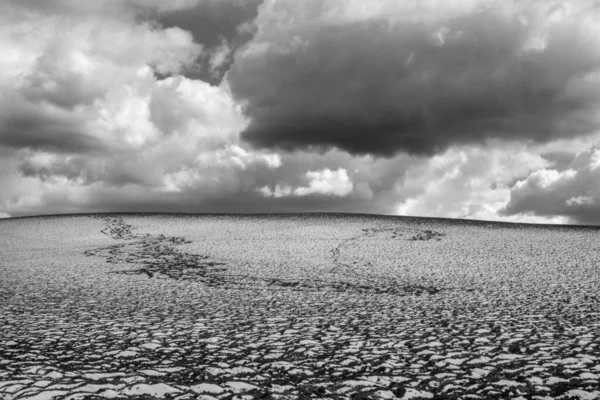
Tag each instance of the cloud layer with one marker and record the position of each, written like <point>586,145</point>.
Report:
<point>417,77</point>
<point>465,109</point>
<point>220,26</point>
<point>572,191</point>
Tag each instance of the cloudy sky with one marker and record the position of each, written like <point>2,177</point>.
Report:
<point>482,109</point>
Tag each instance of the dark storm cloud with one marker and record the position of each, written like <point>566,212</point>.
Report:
<point>376,87</point>
<point>572,192</point>
<point>220,26</point>
<point>23,125</point>
<point>44,134</point>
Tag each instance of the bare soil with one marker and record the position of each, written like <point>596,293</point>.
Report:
<point>297,306</point>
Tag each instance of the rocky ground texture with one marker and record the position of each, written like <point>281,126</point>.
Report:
<point>299,306</point>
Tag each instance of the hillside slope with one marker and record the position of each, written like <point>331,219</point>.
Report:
<point>287,306</point>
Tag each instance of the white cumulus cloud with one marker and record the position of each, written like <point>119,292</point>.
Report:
<point>325,182</point>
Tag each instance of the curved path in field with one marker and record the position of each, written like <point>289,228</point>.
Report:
<point>158,256</point>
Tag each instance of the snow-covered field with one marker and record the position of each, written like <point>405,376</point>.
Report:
<point>297,306</point>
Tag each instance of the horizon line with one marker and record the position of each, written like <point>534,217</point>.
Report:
<point>296,213</point>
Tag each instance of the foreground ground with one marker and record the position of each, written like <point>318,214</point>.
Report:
<point>313,306</point>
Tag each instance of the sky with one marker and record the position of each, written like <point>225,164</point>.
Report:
<point>479,109</point>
